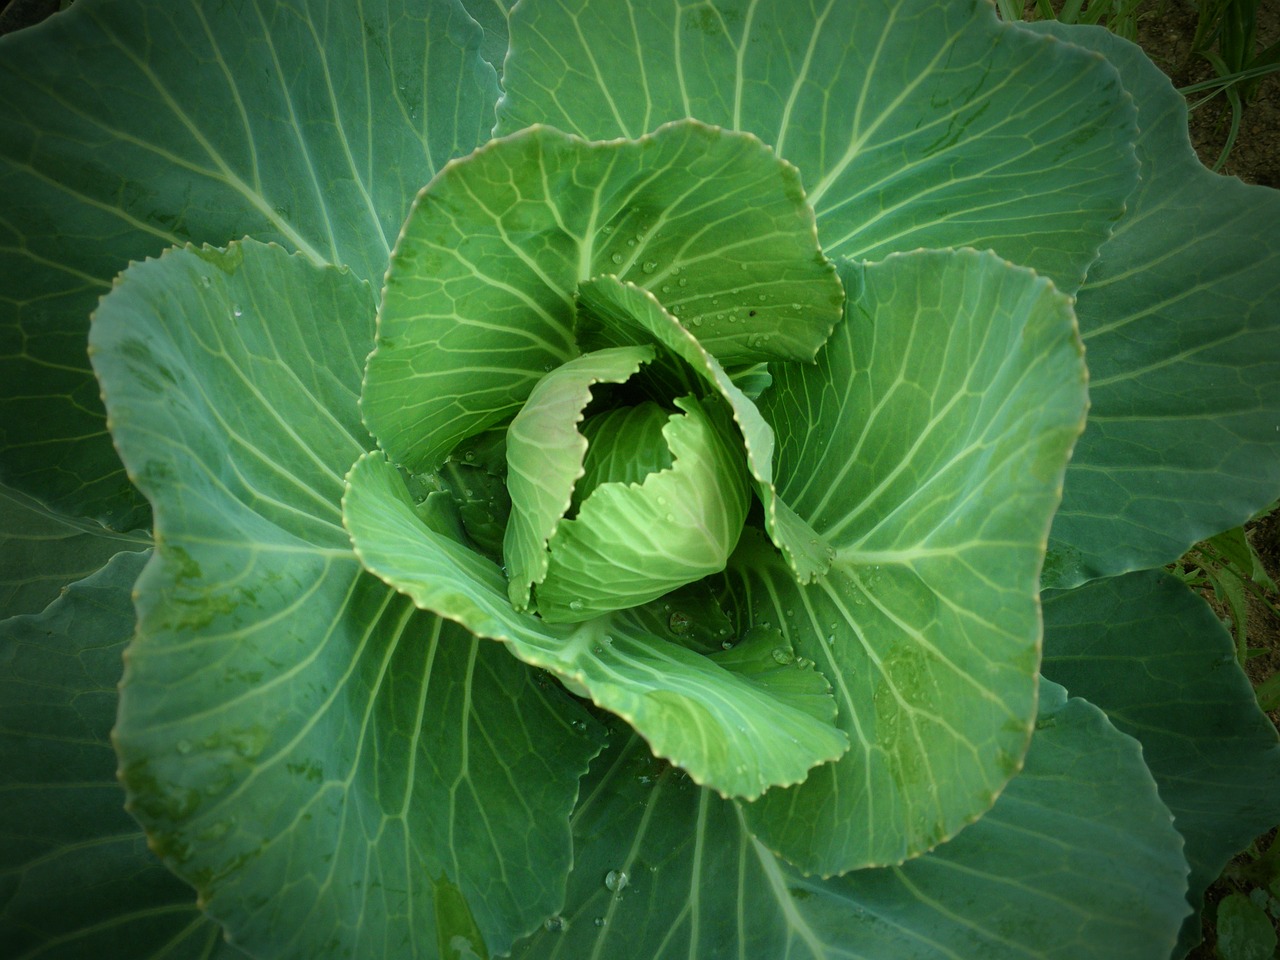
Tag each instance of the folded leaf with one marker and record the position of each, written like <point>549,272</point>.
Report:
<point>545,451</point>
<point>1076,861</point>
<point>329,767</point>
<point>479,297</point>
<point>935,429</point>
<point>616,311</point>
<point>730,728</point>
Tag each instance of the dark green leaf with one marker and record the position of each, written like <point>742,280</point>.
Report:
<point>1181,320</point>
<point>1153,655</point>
<point>41,552</point>
<point>128,127</point>
<point>77,878</point>
<point>1076,861</point>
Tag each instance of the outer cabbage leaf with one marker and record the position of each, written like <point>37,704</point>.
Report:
<point>492,16</point>
<point>914,124</point>
<point>78,878</point>
<point>1156,658</point>
<point>927,446</point>
<point>479,297</point>
<point>1181,318</point>
<point>1076,861</point>
<point>334,771</point>
<point>730,725</point>
<point>41,552</point>
<point>128,127</point>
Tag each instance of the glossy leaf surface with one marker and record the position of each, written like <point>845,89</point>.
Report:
<point>936,428</point>
<point>1076,860</point>
<point>329,767</point>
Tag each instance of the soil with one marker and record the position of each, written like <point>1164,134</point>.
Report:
<point>1166,33</point>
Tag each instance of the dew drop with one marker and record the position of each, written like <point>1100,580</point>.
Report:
<point>556,924</point>
<point>576,605</point>
<point>650,266</point>
<point>205,281</point>
<point>470,455</point>
<point>683,281</point>
<point>599,921</point>
<point>616,258</point>
<point>184,746</point>
<point>727,645</point>
<point>615,880</point>
<point>666,288</point>
<point>236,311</point>
<point>782,655</point>
<point>580,726</point>
<point>679,623</point>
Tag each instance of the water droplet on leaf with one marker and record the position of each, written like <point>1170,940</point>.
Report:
<point>615,880</point>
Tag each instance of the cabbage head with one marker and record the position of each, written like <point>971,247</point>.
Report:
<point>592,478</point>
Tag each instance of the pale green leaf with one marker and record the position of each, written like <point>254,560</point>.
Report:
<point>128,127</point>
<point>619,311</point>
<point>77,877</point>
<point>1076,861</point>
<point>41,552</point>
<point>632,543</point>
<point>731,729</point>
<point>927,447</point>
<point>333,770</point>
<point>1156,658</point>
<point>479,297</point>
<point>914,124</point>
<point>1181,320</point>
<point>545,451</point>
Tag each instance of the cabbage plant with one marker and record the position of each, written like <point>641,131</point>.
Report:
<point>614,479</point>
